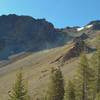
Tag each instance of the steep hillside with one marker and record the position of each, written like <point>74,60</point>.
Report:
<point>36,68</point>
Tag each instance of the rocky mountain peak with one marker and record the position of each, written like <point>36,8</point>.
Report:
<point>96,24</point>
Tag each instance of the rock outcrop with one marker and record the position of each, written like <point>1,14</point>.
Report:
<point>79,46</point>
<point>81,37</point>
<point>76,50</point>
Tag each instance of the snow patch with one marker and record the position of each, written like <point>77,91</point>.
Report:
<point>79,29</point>
<point>85,27</point>
<point>89,26</point>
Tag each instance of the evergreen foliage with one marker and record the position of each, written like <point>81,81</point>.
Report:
<point>56,88</point>
<point>19,91</point>
<point>71,91</point>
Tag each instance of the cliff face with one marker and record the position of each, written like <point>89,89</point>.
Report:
<point>22,33</point>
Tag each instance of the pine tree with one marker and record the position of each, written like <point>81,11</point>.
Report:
<point>96,65</point>
<point>56,89</point>
<point>97,42</point>
<point>93,64</point>
<point>19,91</point>
<point>85,80</point>
<point>98,70</point>
<point>97,96</point>
<point>71,91</point>
<point>83,75</point>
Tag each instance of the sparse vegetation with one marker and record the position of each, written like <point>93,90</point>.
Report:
<point>84,86</point>
<point>70,92</point>
<point>56,89</point>
<point>19,91</point>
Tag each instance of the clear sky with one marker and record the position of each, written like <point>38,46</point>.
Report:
<point>61,13</point>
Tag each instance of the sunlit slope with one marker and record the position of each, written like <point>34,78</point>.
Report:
<point>36,68</point>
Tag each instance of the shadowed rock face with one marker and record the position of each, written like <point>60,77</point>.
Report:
<point>96,24</point>
<point>23,33</point>
<point>77,49</point>
<point>81,37</point>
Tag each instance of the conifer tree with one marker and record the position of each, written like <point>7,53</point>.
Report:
<point>97,96</point>
<point>56,88</point>
<point>98,71</point>
<point>19,91</point>
<point>84,81</point>
<point>93,64</point>
<point>96,65</point>
<point>71,91</point>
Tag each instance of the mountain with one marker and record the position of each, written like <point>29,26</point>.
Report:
<point>24,33</point>
<point>21,34</point>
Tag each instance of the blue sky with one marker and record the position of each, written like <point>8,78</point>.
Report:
<point>61,13</point>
